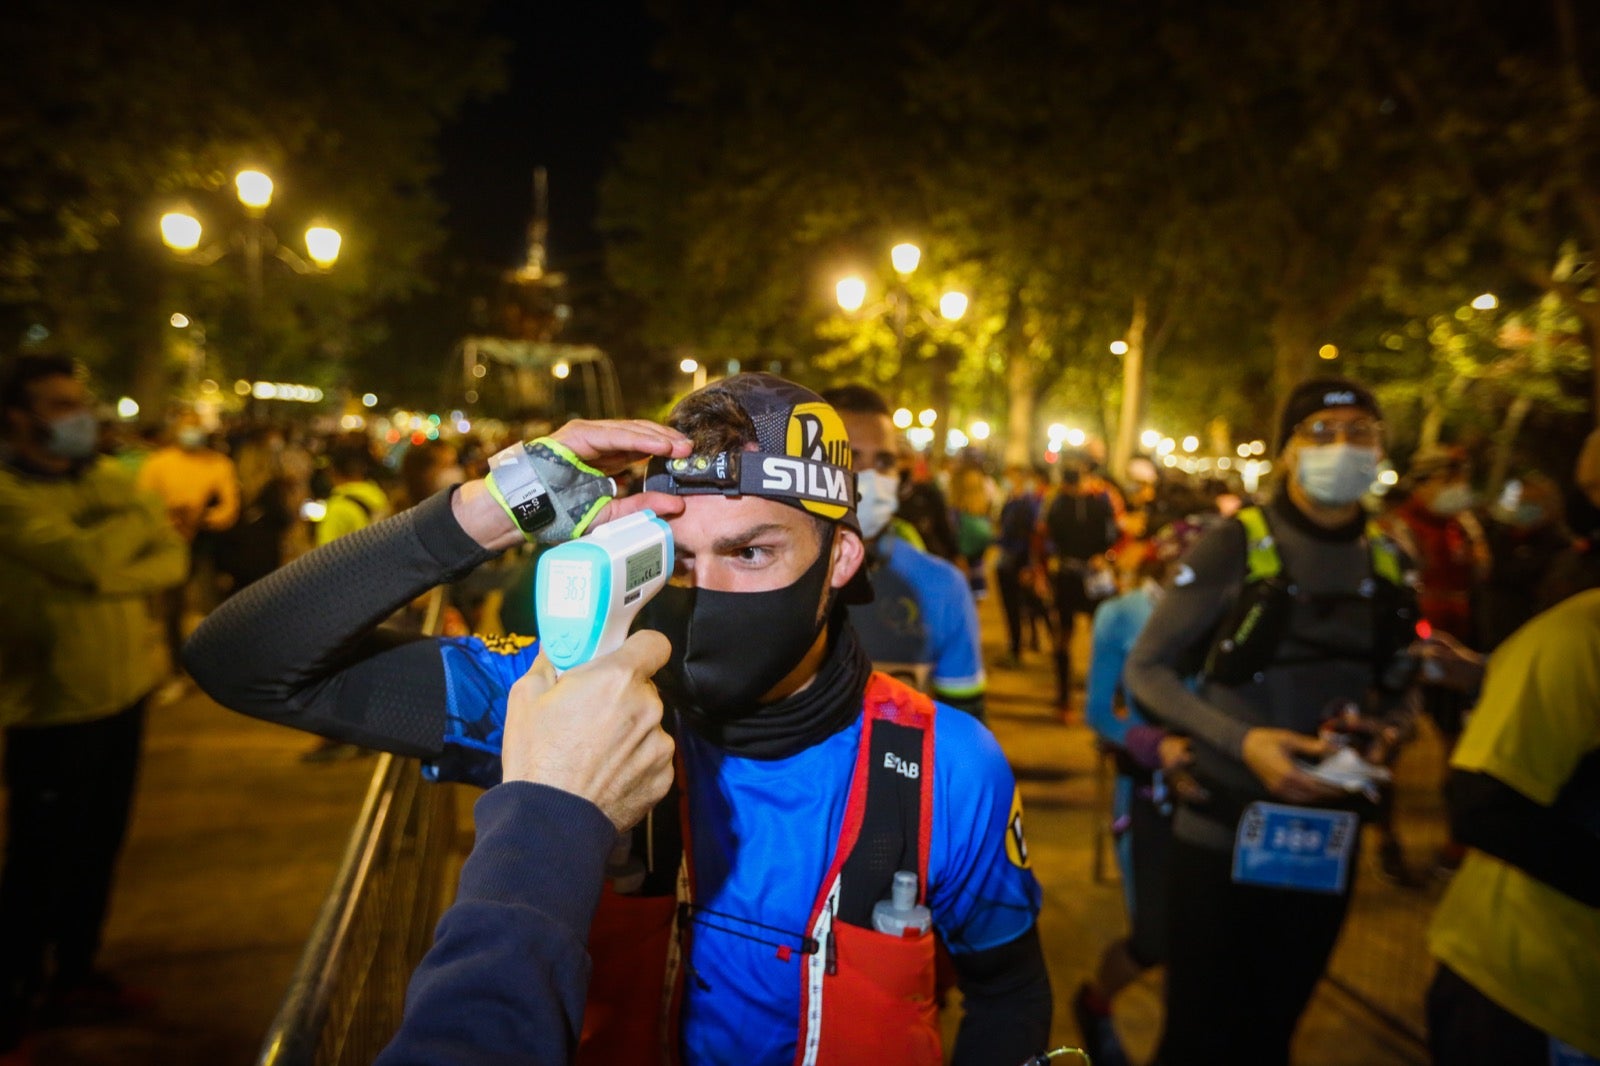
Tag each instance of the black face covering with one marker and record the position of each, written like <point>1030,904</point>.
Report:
<point>731,648</point>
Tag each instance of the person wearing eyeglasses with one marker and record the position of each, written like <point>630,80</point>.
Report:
<point>1283,637</point>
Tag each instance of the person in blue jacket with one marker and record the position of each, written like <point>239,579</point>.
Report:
<point>921,624</point>
<point>1151,762</point>
<point>804,782</point>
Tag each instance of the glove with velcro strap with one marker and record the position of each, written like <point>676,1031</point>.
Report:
<point>550,493</point>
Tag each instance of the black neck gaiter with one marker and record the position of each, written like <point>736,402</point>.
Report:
<point>778,730</point>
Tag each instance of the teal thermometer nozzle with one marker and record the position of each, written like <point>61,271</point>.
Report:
<point>587,591</point>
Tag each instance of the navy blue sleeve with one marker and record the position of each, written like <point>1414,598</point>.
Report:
<point>506,978</point>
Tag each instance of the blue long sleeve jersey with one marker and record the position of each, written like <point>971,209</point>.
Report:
<point>763,842</point>
<point>1117,625</point>
<point>304,648</point>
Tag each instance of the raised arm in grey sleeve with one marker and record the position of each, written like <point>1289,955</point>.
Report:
<point>304,647</point>
<point>1212,573</point>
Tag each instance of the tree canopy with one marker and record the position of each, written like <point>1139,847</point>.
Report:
<point>1227,189</point>
<point>111,113</point>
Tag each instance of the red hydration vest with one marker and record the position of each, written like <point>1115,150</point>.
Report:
<point>866,997</point>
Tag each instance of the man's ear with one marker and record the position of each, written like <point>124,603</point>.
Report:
<point>848,554</point>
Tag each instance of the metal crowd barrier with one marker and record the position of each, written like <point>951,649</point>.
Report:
<point>344,1003</point>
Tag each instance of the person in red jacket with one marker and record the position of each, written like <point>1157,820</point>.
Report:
<point>1437,528</point>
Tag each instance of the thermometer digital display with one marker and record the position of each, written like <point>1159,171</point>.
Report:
<point>587,591</point>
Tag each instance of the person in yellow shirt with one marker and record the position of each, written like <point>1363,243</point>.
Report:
<point>356,501</point>
<point>200,490</point>
<point>1517,936</point>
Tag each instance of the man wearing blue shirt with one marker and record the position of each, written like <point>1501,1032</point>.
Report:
<point>805,781</point>
<point>921,625</point>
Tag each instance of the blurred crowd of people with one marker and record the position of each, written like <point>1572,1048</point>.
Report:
<point>1240,644</point>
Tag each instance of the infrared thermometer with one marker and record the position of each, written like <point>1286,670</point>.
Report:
<point>587,591</point>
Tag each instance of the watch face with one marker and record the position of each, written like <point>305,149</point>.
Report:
<point>535,512</point>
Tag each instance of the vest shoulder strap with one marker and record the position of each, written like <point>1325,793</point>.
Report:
<point>896,805</point>
<point>1386,564</point>
<point>1262,562</point>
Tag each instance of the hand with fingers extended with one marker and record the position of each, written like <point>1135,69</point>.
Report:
<point>572,465</point>
<point>1270,754</point>
<point>596,731</point>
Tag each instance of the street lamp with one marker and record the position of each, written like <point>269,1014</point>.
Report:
<point>254,189</point>
<point>322,245</point>
<point>1119,347</point>
<point>905,258</point>
<point>695,367</point>
<point>1486,302</point>
<point>851,292</point>
<point>182,232</point>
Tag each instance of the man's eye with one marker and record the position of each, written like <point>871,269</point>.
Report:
<point>753,553</point>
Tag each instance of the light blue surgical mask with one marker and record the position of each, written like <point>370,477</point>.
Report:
<point>73,436</point>
<point>1337,475</point>
<point>879,498</point>
<point>191,436</point>
<point>1453,499</point>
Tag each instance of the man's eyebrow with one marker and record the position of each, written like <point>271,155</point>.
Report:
<point>735,541</point>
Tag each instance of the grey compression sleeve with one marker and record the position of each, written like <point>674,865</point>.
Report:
<point>304,647</point>
<point>1186,618</point>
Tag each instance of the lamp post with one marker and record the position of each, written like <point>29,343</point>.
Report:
<point>850,292</point>
<point>697,369</point>
<point>182,232</point>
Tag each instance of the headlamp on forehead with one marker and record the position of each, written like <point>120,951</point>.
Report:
<point>810,484</point>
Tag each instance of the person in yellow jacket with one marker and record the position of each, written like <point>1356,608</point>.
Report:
<point>81,550</point>
<point>356,500</point>
<point>1517,936</point>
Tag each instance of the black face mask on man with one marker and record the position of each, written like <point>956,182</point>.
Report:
<point>730,648</point>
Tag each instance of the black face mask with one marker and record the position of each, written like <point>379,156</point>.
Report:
<point>730,648</point>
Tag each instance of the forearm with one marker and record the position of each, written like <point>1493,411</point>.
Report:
<point>302,646</point>
<point>1488,814</point>
<point>1166,697</point>
<point>508,972</point>
<point>1099,710</point>
<point>1006,1002</point>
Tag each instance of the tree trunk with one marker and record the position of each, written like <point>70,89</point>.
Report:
<point>1433,418</point>
<point>1021,383</point>
<point>1020,393</point>
<point>1134,375</point>
<point>1294,341</point>
<point>943,368</point>
<point>1504,443</point>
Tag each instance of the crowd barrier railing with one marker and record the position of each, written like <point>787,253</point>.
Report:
<point>346,997</point>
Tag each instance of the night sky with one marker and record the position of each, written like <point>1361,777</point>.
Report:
<point>577,74</point>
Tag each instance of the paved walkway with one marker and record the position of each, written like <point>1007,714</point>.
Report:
<point>235,841</point>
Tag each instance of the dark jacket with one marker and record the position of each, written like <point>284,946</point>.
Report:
<point>506,978</point>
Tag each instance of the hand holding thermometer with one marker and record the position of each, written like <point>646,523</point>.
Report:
<point>587,591</point>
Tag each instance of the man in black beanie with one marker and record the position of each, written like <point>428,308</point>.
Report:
<point>1304,612</point>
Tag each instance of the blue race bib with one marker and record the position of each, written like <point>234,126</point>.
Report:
<point>1301,848</point>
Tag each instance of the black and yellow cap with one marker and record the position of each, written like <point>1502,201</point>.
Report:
<point>801,458</point>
